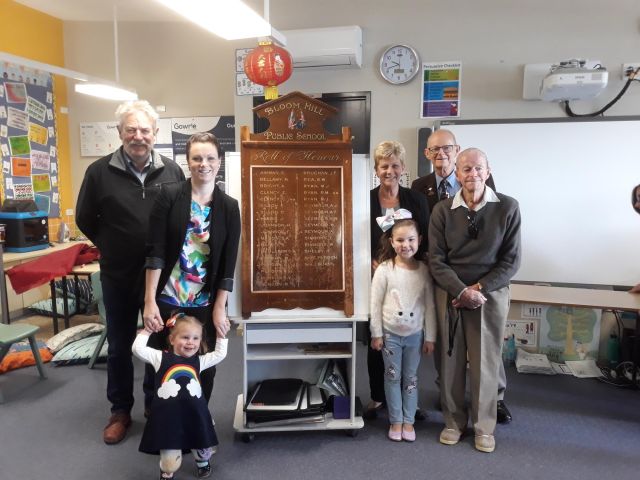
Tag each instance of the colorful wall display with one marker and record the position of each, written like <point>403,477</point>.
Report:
<point>28,143</point>
<point>441,89</point>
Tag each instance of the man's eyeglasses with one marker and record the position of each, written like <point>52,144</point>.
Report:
<point>444,148</point>
<point>472,226</point>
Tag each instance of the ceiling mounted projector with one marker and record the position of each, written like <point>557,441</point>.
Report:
<point>572,80</point>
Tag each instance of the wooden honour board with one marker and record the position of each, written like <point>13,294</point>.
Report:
<point>296,210</point>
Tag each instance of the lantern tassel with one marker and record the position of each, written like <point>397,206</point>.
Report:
<point>271,92</point>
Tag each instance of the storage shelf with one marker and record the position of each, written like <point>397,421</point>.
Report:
<point>321,332</point>
<point>329,424</point>
<point>273,348</point>
<point>295,351</point>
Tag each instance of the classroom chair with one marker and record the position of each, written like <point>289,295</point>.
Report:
<point>96,286</point>
<point>10,334</point>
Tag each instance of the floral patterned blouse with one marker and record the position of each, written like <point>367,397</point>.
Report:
<point>189,275</point>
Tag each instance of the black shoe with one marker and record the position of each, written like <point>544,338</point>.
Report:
<point>204,472</point>
<point>504,415</point>
<point>372,410</point>
<point>421,415</point>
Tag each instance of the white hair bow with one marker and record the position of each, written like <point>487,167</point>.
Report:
<point>387,221</point>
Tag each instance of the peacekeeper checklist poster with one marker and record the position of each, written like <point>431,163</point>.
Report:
<point>28,138</point>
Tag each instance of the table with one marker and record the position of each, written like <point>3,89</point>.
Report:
<point>17,258</point>
<point>9,259</point>
<point>77,271</point>
<point>583,297</point>
<point>577,297</point>
<point>14,257</point>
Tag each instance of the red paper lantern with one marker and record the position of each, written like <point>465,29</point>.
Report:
<point>268,65</point>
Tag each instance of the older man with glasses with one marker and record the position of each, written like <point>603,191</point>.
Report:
<point>474,251</point>
<point>442,150</point>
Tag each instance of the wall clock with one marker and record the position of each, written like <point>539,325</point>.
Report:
<point>399,64</point>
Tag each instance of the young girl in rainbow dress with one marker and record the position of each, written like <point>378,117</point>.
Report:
<point>179,420</point>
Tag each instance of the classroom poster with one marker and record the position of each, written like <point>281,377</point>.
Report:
<point>525,332</point>
<point>28,137</point>
<point>441,89</point>
<point>164,142</point>
<point>20,167</point>
<point>569,333</point>
<point>98,139</point>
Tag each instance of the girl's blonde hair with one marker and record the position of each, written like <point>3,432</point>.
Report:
<point>385,249</point>
<point>182,320</point>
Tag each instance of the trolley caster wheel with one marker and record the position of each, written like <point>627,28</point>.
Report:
<point>247,437</point>
<point>353,433</point>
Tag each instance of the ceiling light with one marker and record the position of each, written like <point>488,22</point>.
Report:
<point>229,19</point>
<point>112,91</point>
<point>105,91</point>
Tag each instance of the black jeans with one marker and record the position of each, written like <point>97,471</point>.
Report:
<point>122,307</point>
<point>160,341</point>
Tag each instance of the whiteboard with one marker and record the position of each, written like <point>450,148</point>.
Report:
<point>573,180</point>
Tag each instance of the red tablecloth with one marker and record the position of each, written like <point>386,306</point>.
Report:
<point>42,270</point>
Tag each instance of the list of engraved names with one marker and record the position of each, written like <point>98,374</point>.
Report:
<point>297,234</point>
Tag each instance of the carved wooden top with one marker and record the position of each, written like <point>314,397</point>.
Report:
<point>295,117</point>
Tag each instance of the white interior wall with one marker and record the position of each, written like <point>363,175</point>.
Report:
<point>193,72</point>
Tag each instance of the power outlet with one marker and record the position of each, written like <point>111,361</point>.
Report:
<point>627,68</point>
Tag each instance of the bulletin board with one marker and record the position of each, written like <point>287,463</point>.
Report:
<point>28,139</point>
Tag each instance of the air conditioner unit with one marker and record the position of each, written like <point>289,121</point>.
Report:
<point>332,47</point>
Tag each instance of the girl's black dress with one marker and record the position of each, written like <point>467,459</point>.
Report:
<point>180,418</point>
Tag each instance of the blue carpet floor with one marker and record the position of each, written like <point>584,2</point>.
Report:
<point>563,428</point>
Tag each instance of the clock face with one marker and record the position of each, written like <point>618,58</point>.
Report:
<point>399,64</point>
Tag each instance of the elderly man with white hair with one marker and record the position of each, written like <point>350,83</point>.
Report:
<point>112,210</point>
<point>474,251</point>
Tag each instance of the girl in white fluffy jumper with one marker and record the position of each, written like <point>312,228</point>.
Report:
<point>403,323</point>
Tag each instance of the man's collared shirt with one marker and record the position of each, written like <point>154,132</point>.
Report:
<point>140,174</point>
<point>453,186</point>
<point>488,196</point>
